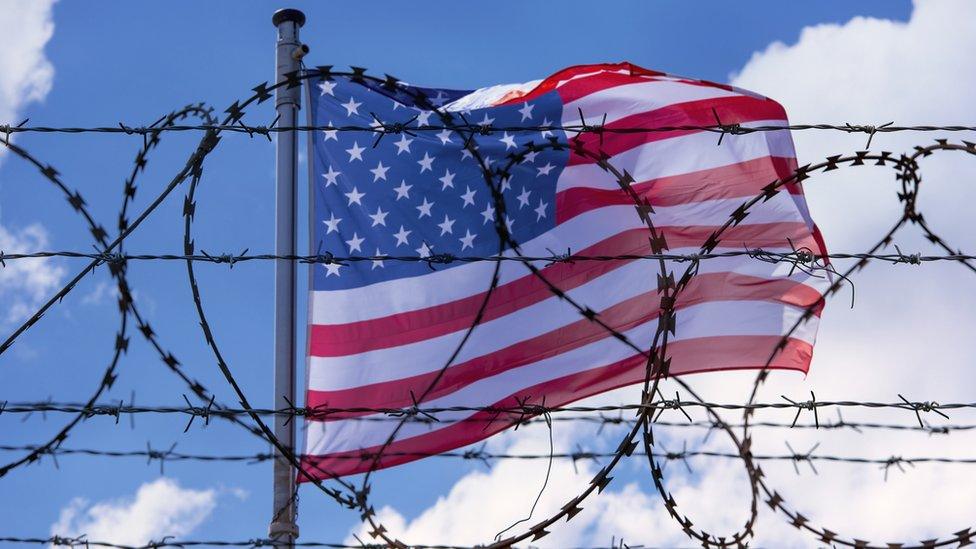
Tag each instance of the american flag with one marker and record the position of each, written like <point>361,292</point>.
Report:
<point>383,333</point>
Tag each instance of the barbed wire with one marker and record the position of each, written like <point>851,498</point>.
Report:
<point>516,410</point>
<point>518,415</point>
<point>796,257</point>
<point>487,457</point>
<point>670,286</point>
<point>483,129</point>
<point>173,541</point>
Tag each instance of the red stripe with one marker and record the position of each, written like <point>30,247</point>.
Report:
<point>552,82</point>
<point>403,328</point>
<point>731,110</point>
<point>690,356</point>
<point>574,90</point>
<point>622,316</point>
<point>741,180</point>
<point>588,85</point>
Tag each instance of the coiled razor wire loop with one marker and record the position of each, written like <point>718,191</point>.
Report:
<point>234,115</point>
<point>493,183</point>
<point>656,368</point>
<point>657,359</point>
<point>193,167</point>
<point>121,341</point>
<point>907,169</point>
<point>117,268</point>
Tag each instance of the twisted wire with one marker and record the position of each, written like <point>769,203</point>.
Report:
<point>657,359</point>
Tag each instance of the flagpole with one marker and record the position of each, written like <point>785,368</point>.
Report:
<point>288,53</point>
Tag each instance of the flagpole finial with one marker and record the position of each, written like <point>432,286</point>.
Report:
<point>288,14</point>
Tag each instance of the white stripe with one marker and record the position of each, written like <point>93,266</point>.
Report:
<point>699,321</point>
<point>680,155</point>
<point>429,355</point>
<point>408,294</point>
<point>487,97</point>
<point>595,72</point>
<point>623,101</point>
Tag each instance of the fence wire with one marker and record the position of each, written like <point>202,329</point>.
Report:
<point>109,251</point>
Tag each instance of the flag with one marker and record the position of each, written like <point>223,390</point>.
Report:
<point>395,334</point>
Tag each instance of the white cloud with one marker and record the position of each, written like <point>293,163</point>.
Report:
<point>25,73</point>
<point>102,291</point>
<point>26,283</point>
<point>25,77</point>
<point>159,508</point>
<point>873,71</point>
<point>482,503</point>
<point>910,333</point>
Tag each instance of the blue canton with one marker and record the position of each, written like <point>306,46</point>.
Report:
<point>421,194</point>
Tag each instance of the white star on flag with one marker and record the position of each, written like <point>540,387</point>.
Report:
<point>331,134</point>
<point>351,107</point>
<point>331,269</point>
<point>379,172</point>
<point>508,140</point>
<point>327,86</point>
<point>379,218</point>
<point>330,177</point>
<point>423,118</point>
<point>426,163</point>
<point>403,191</point>
<point>541,210</point>
<point>401,236</point>
<point>468,197</point>
<point>403,145</point>
<point>447,180</point>
<point>356,152</point>
<point>355,243</point>
<point>467,241</point>
<point>447,227</point>
<point>425,208</point>
<point>488,214</point>
<point>377,262</point>
<point>355,197</point>
<point>424,250</point>
<point>545,123</point>
<point>332,223</point>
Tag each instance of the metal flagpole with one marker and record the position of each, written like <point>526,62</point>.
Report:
<point>289,52</point>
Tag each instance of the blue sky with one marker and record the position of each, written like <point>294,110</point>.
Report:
<point>134,62</point>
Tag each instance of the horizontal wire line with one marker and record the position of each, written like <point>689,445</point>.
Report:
<point>798,257</point>
<point>398,127</point>
<point>172,541</point>
<point>525,410</point>
<point>480,455</point>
